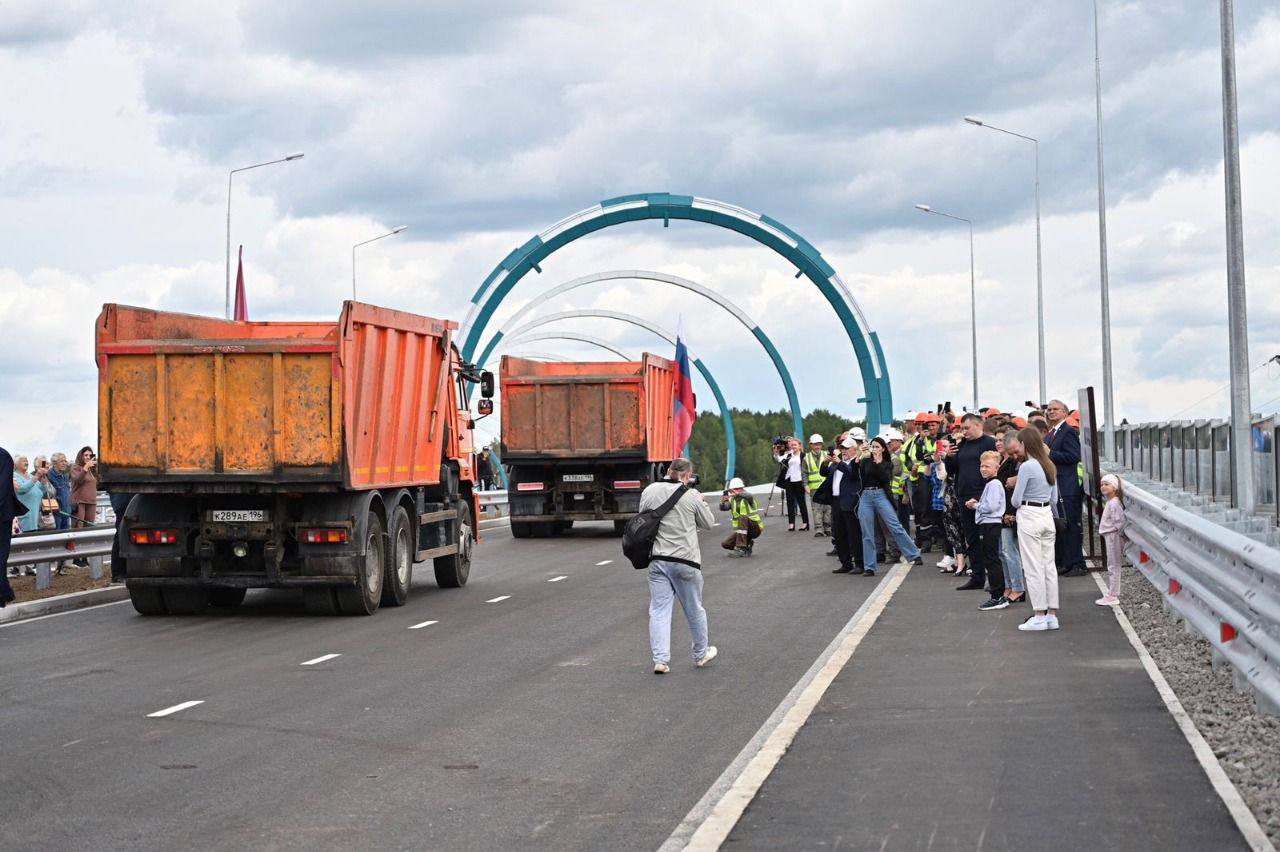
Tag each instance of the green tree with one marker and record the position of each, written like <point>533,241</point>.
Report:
<point>754,432</point>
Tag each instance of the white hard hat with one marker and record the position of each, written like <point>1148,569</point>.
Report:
<point>848,442</point>
<point>893,435</point>
<point>909,416</point>
<point>858,434</point>
<point>735,483</point>
<point>815,438</point>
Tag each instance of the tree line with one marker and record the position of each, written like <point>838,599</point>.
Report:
<point>754,432</point>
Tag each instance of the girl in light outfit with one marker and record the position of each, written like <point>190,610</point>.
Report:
<point>1111,529</point>
<point>1034,496</point>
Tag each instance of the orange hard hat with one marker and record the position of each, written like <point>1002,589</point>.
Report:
<point>1020,422</point>
<point>993,411</point>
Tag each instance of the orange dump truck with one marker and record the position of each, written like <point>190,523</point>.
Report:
<point>324,456</point>
<point>583,439</point>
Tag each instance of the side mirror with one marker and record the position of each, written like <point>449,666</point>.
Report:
<point>485,407</point>
<point>486,387</point>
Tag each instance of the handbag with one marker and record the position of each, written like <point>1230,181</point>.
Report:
<point>1059,516</point>
<point>49,506</point>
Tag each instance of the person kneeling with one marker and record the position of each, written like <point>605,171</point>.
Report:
<point>745,512</point>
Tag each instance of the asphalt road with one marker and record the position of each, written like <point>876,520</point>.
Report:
<point>530,722</point>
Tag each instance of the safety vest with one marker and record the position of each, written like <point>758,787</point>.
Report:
<point>899,481</point>
<point>744,505</point>
<point>921,451</point>
<point>811,464</point>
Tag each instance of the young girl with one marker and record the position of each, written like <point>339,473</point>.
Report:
<point>1112,531</point>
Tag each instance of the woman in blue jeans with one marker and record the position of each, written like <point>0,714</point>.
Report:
<point>877,474</point>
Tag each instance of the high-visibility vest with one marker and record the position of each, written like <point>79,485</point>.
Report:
<point>922,450</point>
<point>899,480</point>
<point>811,464</point>
<point>744,505</point>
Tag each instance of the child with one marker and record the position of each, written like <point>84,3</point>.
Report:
<point>1112,531</point>
<point>988,514</point>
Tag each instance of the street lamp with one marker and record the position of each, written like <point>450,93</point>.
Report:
<point>285,159</point>
<point>390,233</point>
<point>973,297</point>
<point>1108,412</point>
<point>1039,276</point>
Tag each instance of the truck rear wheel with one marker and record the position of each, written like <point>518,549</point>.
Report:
<point>147,600</point>
<point>227,596</point>
<point>185,601</point>
<point>364,597</point>
<point>453,570</point>
<point>395,586</point>
<point>521,529</point>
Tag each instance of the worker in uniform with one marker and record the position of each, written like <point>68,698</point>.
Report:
<point>744,512</point>
<point>898,487</point>
<point>811,467</point>
<point>918,458</point>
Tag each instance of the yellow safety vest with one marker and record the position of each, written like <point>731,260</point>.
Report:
<point>899,481</point>
<point>812,463</point>
<point>744,505</point>
<point>921,451</point>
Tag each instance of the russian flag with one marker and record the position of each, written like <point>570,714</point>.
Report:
<point>686,406</point>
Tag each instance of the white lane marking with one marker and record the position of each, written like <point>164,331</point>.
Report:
<point>168,711</point>
<point>325,658</point>
<point>1245,820</point>
<point>498,599</point>
<point>605,562</point>
<point>422,625</point>
<point>18,621</point>
<point>708,825</point>
<point>558,579</point>
<point>70,744</point>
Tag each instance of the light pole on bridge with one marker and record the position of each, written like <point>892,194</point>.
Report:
<point>390,233</point>
<point>973,295</point>
<point>285,159</point>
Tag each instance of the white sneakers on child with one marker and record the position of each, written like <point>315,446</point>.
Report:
<point>1040,622</point>
<point>1107,600</point>
<point>946,562</point>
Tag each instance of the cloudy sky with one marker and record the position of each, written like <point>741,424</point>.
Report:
<point>478,125</point>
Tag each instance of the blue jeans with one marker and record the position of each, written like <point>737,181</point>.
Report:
<point>875,503</point>
<point>667,581</point>
<point>1011,560</point>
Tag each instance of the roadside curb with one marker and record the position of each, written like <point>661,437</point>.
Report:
<point>62,603</point>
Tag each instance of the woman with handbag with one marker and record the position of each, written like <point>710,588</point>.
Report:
<point>1034,496</point>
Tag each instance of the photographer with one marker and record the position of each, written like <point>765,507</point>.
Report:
<point>84,488</point>
<point>787,453</point>
<point>745,512</point>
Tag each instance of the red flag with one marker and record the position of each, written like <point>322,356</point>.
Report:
<point>242,307</point>
<point>686,407</point>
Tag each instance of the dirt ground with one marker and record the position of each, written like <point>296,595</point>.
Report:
<point>73,579</point>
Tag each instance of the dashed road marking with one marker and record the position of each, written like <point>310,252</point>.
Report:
<point>558,579</point>
<point>604,562</point>
<point>422,625</point>
<point>177,708</point>
<point>498,599</point>
<point>322,659</point>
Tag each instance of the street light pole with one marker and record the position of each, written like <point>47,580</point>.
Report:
<point>1039,264</point>
<point>392,232</point>
<point>1108,402</point>
<point>973,295</point>
<point>230,175</point>
<point>1237,313</point>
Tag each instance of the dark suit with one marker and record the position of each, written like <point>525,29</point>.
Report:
<point>845,528</point>
<point>9,509</point>
<point>1064,451</point>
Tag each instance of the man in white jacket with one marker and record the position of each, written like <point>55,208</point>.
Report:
<point>675,566</point>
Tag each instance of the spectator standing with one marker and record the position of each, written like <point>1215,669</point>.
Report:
<point>486,469</point>
<point>791,481</point>
<point>60,479</point>
<point>30,491</point>
<point>1033,496</point>
<point>956,547</point>
<point>84,487</point>
<point>876,503</point>
<point>1010,559</point>
<point>964,466</point>
<point>1111,528</point>
<point>1063,442</point>
<point>814,477</point>
<point>48,497</point>
<point>675,565</point>
<point>846,486</point>
<point>919,455</point>
<point>988,512</point>
<point>10,507</point>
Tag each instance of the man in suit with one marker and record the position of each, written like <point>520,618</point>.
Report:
<point>1064,451</point>
<point>9,509</point>
<point>846,486</point>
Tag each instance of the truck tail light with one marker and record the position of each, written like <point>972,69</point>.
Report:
<point>153,536</point>
<point>323,536</point>
<point>626,483</point>
<point>529,486</point>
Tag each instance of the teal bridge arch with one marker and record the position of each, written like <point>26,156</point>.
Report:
<point>666,206</point>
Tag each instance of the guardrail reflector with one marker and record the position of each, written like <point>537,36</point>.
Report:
<point>1174,587</point>
<point>1228,632</point>
<point>1143,557</point>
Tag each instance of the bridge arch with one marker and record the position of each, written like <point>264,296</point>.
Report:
<point>665,206</point>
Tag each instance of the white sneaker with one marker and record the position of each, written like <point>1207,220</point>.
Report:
<point>1052,621</point>
<point>1035,622</point>
<point>661,668</point>
<point>946,562</point>
<point>709,656</point>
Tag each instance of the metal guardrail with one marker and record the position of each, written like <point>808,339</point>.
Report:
<point>1222,583</point>
<point>46,548</point>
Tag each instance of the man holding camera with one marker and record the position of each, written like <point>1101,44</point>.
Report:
<point>814,477</point>
<point>846,486</point>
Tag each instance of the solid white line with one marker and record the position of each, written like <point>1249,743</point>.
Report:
<point>1245,821</point>
<point>56,614</point>
<point>498,599</point>
<point>422,625</point>
<point>558,579</point>
<point>321,659</point>
<point>708,825</point>
<point>605,562</point>
<point>174,709</point>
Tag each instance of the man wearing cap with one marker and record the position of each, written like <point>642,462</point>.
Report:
<point>811,467</point>
<point>846,485</point>
<point>745,513</point>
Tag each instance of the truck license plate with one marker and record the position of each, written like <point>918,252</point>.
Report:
<point>239,516</point>
<point>578,477</point>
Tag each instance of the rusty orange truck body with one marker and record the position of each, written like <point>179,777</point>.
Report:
<point>327,456</point>
<point>583,439</point>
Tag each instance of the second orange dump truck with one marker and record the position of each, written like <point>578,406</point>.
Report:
<point>583,439</point>
<point>324,456</point>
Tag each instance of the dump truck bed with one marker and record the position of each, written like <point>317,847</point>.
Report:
<point>355,404</point>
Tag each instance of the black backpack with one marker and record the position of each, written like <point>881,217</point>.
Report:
<point>641,531</point>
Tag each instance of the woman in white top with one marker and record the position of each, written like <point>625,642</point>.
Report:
<point>791,481</point>
<point>1034,495</point>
